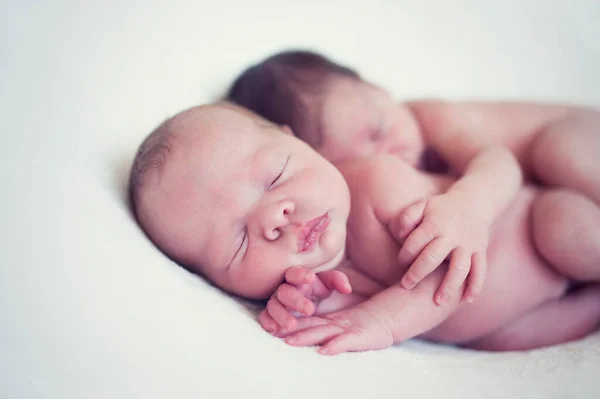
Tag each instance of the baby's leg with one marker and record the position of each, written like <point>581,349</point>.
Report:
<point>566,232</point>
<point>565,154</point>
<point>559,320</point>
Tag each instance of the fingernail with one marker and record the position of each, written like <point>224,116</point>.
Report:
<point>290,340</point>
<point>307,307</point>
<point>407,283</point>
<point>323,351</point>
<point>470,299</point>
<point>443,298</point>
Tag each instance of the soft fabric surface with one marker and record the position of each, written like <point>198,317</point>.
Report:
<point>90,309</point>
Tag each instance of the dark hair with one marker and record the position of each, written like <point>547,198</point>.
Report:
<point>279,87</point>
<point>152,154</point>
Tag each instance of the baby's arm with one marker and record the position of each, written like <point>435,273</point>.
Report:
<point>387,195</point>
<point>380,187</point>
<point>393,315</point>
<point>460,130</point>
<point>456,223</point>
<point>556,145</point>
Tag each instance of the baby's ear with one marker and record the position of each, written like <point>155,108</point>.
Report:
<point>287,129</point>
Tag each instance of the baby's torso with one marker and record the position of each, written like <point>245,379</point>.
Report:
<point>517,277</point>
<point>517,280</point>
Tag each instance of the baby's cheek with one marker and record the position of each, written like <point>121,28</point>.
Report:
<point>331,244</point>
<point>261,275</point>
<point>331,241</point>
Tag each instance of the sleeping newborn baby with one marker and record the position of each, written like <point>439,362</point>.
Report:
<point>489,146</point>
<point>259,213</point>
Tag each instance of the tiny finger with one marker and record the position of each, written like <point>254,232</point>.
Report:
<point>314,335</point>
<point>347,342</point>
<point>297,275</point>
<point>280,314</point>
<point>267,322</point>
<point>430,258</point>
<point>302,323</point>
<point>477,276</point>
<point>293,300</point>
<point>402,225</point>
<point>460,264</point>
<point>336,280</point>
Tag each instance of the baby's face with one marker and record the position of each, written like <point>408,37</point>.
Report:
<point>359,119</point>
<point>240,201</point>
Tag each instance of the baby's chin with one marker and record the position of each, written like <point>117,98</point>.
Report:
<point>331,264</point>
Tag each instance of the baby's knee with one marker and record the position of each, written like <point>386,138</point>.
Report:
<point>549,153</point>
<point>565,152</point>
<point>566,232</point>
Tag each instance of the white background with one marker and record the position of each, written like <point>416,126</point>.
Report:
<point>89,309</point>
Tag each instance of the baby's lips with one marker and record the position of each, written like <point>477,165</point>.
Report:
<point>311,231</point>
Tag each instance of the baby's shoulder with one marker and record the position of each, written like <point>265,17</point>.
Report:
<point>377,172</point>
<point>387,184</point>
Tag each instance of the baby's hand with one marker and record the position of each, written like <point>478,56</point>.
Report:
<point>299,296</point>
<point>433,230</point>
<point>359,328</point>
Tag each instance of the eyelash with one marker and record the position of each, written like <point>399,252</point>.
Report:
<point>244,237</point>
<point>377,132</point>
<point>242,244</point>
<point>280,174</point>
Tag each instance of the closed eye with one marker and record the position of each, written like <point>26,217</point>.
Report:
<point>377,132</point>
<point>244,238</point>
<point>280,174</point>
<point>374,135</point>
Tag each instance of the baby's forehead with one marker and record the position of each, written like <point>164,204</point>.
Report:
<point>188,207</point>
<point>217,123</point>
<point>215,150</point>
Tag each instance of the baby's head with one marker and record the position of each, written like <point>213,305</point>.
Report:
<point>329,106</point>
<point>238,199</point>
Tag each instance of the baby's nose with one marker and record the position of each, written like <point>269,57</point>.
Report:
<point>276,218</point>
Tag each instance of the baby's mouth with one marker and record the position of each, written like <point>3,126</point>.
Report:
<point>311,231</point>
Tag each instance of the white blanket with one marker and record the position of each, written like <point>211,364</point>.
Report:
<point>90,309</point>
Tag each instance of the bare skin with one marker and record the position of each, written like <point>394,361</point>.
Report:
<point>243,227</point>
<point>522,289</point>
<point>554,145</point>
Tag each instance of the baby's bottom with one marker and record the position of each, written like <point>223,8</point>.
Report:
<point>559,320</point>
<point>565,227</point>
<point>565,154</point>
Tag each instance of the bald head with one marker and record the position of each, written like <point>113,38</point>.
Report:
<point>183,155</point>
<point>154,152</point>
<point>212,176</point>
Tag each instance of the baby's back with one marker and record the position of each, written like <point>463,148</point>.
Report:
<point>517,279</point>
